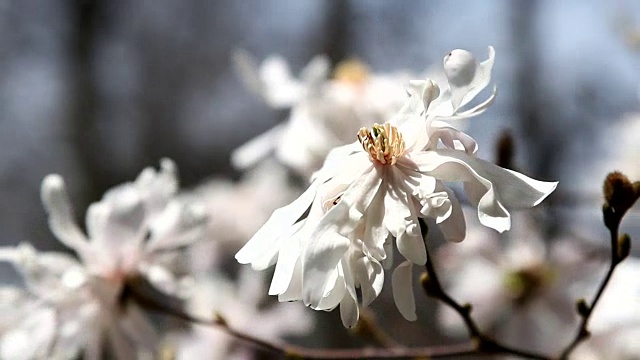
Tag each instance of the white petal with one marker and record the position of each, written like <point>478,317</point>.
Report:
<point>61,221</point>
<point>453,228</point>
<point>349,312</point>
<point>256,149</point>
<point>370,275</point>
<point>402,284</point>
<point>375,233</point>
<point>267,237</point>
<point>294,289</point>
<point>449,136</point>
<point>320,260</point>
<point>488,186</point>
<point>402,223</point>
<point>288,256</point>
<point>316,71</point>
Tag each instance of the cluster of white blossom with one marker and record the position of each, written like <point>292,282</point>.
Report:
<point>380,152</point>
<point>370,194</point>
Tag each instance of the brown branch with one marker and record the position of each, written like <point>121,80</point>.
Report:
<point>297,352</point>
<point>369,328</point>
<point>483,344</point>
<point>612,220</point>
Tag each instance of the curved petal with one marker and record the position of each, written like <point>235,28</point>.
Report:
<point>319,263</point>
<point>402,223</point>
<point>453,228</point>
<point>285,266</point>
<point>267,236</point>
<point>488,186</point>
<point>349,312</point>
<point>58,207</point>
<point>402,284</point>
<point>370,276</point>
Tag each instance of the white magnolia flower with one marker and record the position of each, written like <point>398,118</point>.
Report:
<point>247,205</point>
<point>325,112</point>
<point>522,289</point>
<point>134,232</point>
<point>376,189</point>
<point>242,304</point>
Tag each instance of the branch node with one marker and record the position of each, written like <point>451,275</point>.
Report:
<point>582,308</point>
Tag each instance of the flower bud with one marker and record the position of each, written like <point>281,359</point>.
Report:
<point>619,192</point>
<point>431,287</point>
<point>623,247</point>
<point>460,67</point>
<point>582,308</point>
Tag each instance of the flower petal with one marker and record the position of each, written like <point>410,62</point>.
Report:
<point>61,221</point>
<point>402,284</point>
<point>266,238</point>
<point>488,186</point>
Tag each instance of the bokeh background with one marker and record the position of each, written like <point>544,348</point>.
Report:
<point>98,90</point>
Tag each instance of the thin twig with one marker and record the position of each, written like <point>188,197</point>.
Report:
<point>369,328</point>
<point>297,352</point>
<point>483,343</point>
<point>582,333</point>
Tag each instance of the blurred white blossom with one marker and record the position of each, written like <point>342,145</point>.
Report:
<point>376,189</point>
<point>237,210</point>
<point>135,232</point>
<point>325,111</point>
<point>242,304</point>
<point>522,289</point>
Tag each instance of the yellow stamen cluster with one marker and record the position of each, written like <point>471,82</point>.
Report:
<point>384,143</point>
<point>351,71</point>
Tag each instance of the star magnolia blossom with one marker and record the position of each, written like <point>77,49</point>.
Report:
<point>376,189</point>
<point>324,111</point>
<point>135,231</point>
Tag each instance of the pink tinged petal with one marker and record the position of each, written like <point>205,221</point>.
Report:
<point>349,312</point>
<point>281,220</point>
<point>402,285</point>
<point>488,186</point>
<point>61,220</point>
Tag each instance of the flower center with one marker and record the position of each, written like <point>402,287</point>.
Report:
<point>351,72</point>
<point>524,284</point>
<point>384,143</point>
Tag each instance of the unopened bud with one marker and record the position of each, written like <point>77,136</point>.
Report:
<point>460,67</point>
<point>582,308</point>
<point>505,150</point>
<point>219,319</point>
<point>623,247</point>
<point>619,192</point>
<point>431,287</point>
